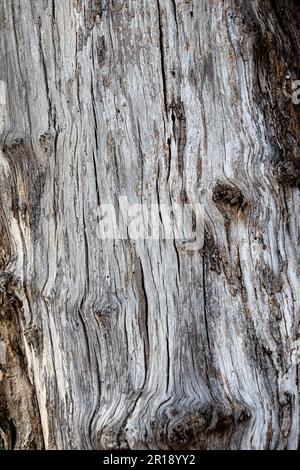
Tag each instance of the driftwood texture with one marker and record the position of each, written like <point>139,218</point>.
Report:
<point>144,344</point>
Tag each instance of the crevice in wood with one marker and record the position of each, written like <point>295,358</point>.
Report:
<point>162,57</point>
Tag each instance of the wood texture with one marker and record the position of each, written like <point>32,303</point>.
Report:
<point>144,344</point>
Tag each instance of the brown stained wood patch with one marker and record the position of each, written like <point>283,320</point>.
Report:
<point>19,412</point>
<point>5,251</point>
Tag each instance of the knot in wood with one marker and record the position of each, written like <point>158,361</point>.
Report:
<point>227,194</point>
<point>288,172</point>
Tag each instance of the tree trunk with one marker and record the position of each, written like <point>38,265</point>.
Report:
<point>142,343</point>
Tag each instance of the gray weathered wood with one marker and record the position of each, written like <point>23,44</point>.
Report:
<point>144,344</point>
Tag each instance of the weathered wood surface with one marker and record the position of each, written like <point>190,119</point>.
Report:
<point>143,344</point>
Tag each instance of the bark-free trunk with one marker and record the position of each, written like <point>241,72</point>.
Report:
<point>145,343</point>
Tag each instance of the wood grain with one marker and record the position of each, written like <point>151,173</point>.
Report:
<point>142,344</point>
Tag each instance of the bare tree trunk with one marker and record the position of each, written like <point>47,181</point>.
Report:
<point>139,344</point>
